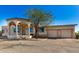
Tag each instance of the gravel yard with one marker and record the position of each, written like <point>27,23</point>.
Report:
<point>40,46</point>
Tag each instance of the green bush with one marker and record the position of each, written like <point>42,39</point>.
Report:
<point>77,35</point>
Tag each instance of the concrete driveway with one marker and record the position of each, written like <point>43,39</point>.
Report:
<point>39,46</point>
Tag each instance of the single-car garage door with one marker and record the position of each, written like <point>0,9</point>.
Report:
<point>66,33</point>
<point>52,33</point>
<point>59,33</point>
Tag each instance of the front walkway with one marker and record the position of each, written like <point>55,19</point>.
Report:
<point>36,46</point>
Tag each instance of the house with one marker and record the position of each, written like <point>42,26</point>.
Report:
<point>22,28</point>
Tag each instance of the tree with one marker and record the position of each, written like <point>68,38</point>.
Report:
<point>39,18</point>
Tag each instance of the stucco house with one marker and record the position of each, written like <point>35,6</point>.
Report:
<point>22,28</point>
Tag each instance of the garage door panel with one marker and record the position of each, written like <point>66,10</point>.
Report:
<point>52,33</point>
<point>66,33</point>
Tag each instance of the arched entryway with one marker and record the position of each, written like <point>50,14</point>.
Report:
<point>18,29</point>
<point>12,28</point>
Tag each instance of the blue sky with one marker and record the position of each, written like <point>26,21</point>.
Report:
<point>64,14</point>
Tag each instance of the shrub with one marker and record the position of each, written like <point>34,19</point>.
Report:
<point>77,35</point>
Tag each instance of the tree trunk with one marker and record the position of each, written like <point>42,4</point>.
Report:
<point>36,31</point>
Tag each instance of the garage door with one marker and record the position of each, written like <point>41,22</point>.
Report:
<point>52,33</point>
<point>66,33</point>
<point>60,33</point>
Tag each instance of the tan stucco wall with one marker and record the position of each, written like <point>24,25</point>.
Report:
<point>60,27</point>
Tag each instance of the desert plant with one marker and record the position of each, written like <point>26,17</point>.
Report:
<point>77,34</point>
<point>39,17</point>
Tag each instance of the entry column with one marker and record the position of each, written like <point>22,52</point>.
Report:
<point>29,30</point>
<point>16,29</point>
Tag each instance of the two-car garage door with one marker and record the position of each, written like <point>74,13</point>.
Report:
<point>59,33</point>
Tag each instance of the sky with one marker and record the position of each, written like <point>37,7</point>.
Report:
<point>63,14</point>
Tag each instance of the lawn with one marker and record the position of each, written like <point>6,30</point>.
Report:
<point>40,46</point>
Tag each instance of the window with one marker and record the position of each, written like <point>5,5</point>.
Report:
<point>19,28</point>
<point>13,28</point>
<point>41,29</point>
<point>31,29</point>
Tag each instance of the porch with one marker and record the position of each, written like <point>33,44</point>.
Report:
<point>19,29</point>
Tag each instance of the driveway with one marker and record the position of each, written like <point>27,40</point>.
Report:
<point>40,46</point>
